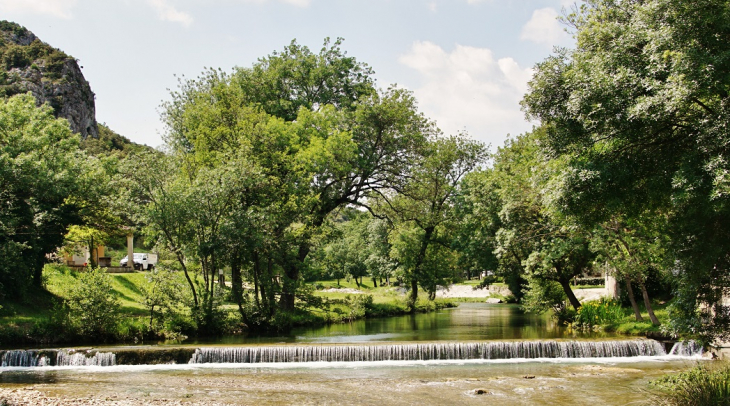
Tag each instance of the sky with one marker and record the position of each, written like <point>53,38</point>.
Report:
<point>467,62</point>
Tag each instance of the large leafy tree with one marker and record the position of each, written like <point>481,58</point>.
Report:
<point>424,213</point>
<point>314,131</point>
<point>42,178</point>
<point>286,81</point>
<point>534,242</point>
<point>639,111</point>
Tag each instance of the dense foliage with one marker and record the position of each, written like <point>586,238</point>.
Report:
<point>299,169</point>
<point>638,114</point>
<point>43,190</point>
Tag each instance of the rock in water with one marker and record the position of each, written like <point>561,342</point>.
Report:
<point>493,300</point>
<point>29,65</point>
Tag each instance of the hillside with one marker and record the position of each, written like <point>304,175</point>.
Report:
<point>28,64</point>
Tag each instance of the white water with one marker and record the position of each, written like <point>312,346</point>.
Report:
<point>686,348</point>
<point>72,358</point>
<point>80,358</point>
<point>322,356</point>
<point>23,358</point>
<point>430,351</point>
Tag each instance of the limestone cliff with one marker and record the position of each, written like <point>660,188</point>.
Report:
<point>29,65</point>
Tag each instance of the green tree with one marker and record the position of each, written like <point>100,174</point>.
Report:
<point>534,241</point>
<point>639,112</point>
<point>634,247</point>
<point>478,206</point>
<point>42,181</point>
<point>340,148</point>
<point>423,211</point>
<point>284,82</point>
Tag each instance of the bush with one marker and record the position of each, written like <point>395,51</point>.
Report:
<point>93,305</point>
<point>701,386</point>
<point>596,313</point>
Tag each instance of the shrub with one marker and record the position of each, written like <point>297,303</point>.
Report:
<point>359,305</point>
<point>701,386</point>
<point>93,305</point>
<point>596,313</point>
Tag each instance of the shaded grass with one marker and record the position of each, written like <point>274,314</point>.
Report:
<point>629,326</point>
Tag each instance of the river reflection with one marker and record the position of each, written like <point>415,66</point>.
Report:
<point>468,322</point>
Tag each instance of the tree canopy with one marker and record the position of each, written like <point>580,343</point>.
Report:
<point>639,113</point>
<point>42,182</point>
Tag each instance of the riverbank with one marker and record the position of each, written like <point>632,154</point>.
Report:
<point>44,318</point>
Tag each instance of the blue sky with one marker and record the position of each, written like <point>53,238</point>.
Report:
<point>467,61</point>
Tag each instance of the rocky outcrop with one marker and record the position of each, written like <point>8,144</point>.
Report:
<point>29,65</point>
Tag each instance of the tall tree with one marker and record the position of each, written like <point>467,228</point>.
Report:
<point>639,111</point>
<point>331,156</point>
<point>42,178</point>
<point>318,135</point>
<point>533,240</point>
<point>424,213</point>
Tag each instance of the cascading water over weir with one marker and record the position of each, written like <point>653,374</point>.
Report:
<point>447,351</point>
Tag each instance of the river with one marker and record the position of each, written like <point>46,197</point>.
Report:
<point>474,354</point>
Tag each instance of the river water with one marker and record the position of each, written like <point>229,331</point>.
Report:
<point>468,322</point>
<point>434,380</point>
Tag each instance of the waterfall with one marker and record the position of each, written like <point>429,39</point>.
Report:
<point>23,358</point>
<point>486,350</point>
<point>686,348</point>
<point>430,351</point>
<point>85,358</point>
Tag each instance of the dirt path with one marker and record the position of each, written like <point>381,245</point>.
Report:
<point>454,291</point>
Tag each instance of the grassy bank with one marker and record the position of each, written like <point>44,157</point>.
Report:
<point>610,316</point>
<point>44,317</point>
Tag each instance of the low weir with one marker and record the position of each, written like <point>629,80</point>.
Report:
<point>488,350</point>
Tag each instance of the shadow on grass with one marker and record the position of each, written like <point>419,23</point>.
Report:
<point>127,285</point>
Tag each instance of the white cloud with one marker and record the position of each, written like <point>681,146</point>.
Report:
<point>167,12</point>
<point>469,89</point>
<point>432,7</point>
<point>56,8</point>
<point>544,28</point>
<point>297,3</point>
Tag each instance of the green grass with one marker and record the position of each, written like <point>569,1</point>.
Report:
<point>700,386</point>
<point>38,318</point>
<point>629,326</point>
<point>127,287</point>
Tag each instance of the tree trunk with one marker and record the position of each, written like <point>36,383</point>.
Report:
<point>181,261</point>
<point>414,295</point>
<point>647,304</point>
<point>417,268</point>
<point>259,285</point>
<point>237,282</point>
<point>632,299</point>
<point>569,292</point>
<point>291,276</point>
<point>272,294</point>
<point>375,282</point>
